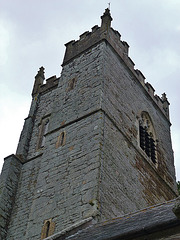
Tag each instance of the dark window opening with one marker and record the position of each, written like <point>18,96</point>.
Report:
<point>147,143</point>
<point>43,129</point>
<point>47,228</point>
<point>62,138</point>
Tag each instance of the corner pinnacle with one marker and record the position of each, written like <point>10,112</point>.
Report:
<point>106,19</point>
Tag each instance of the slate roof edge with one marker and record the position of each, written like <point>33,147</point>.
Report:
<point>137,224</point>
<point>76,227</point>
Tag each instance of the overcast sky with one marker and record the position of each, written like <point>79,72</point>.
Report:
<point>33,34</point>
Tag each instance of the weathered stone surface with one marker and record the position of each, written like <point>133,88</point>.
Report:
<point>123,161</point>
<point>60,183</point>
<point>80,143</point>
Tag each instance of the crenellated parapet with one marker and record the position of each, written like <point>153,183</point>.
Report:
<point>40,86</point>
<point>50,84</point>
<point>107,33</point>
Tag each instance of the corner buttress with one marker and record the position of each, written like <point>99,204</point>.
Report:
<point>9,179</point>
<point>23,145</point>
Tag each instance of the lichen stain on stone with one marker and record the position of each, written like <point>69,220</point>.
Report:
<point>133,131</point>
<point>154,189</point>
<point>71,148</point>
<point>32,184</point>
<point>162,167</point>
<point>63,122</point>
<point>32,180</point>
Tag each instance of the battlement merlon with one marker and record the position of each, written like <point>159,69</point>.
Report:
<point>40,87</point>
<point>39,79</point>
<point>107,33</point>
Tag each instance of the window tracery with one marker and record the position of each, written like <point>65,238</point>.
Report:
<point>147,136</point>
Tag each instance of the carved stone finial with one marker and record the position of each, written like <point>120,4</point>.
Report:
<point>164,98</point>
<point>39,78</point>
<point>109,4</point>
<point>41,73</point>
<point>106,19</point>
<point>165,104</point>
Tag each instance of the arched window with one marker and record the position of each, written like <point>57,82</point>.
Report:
<point>61,139</point>
<point>43,129</point>
<point>71,84</point>
<point>47,229</point>
<point>147,136</point>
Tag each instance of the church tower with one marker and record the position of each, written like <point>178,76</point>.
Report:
<point>95,145</point>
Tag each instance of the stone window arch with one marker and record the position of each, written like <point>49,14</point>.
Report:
<point>47,229</point>
<point>61,139</point>
<point>71,84</point>
<point>43,129</point>
<point>147,136</point>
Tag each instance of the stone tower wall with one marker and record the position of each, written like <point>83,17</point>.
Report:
<point>85,97</point>
<point>61,183</point>
<point>130,180</point>
<point>79,147</point>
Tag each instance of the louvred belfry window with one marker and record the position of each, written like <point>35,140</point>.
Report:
<point>147,137</point>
